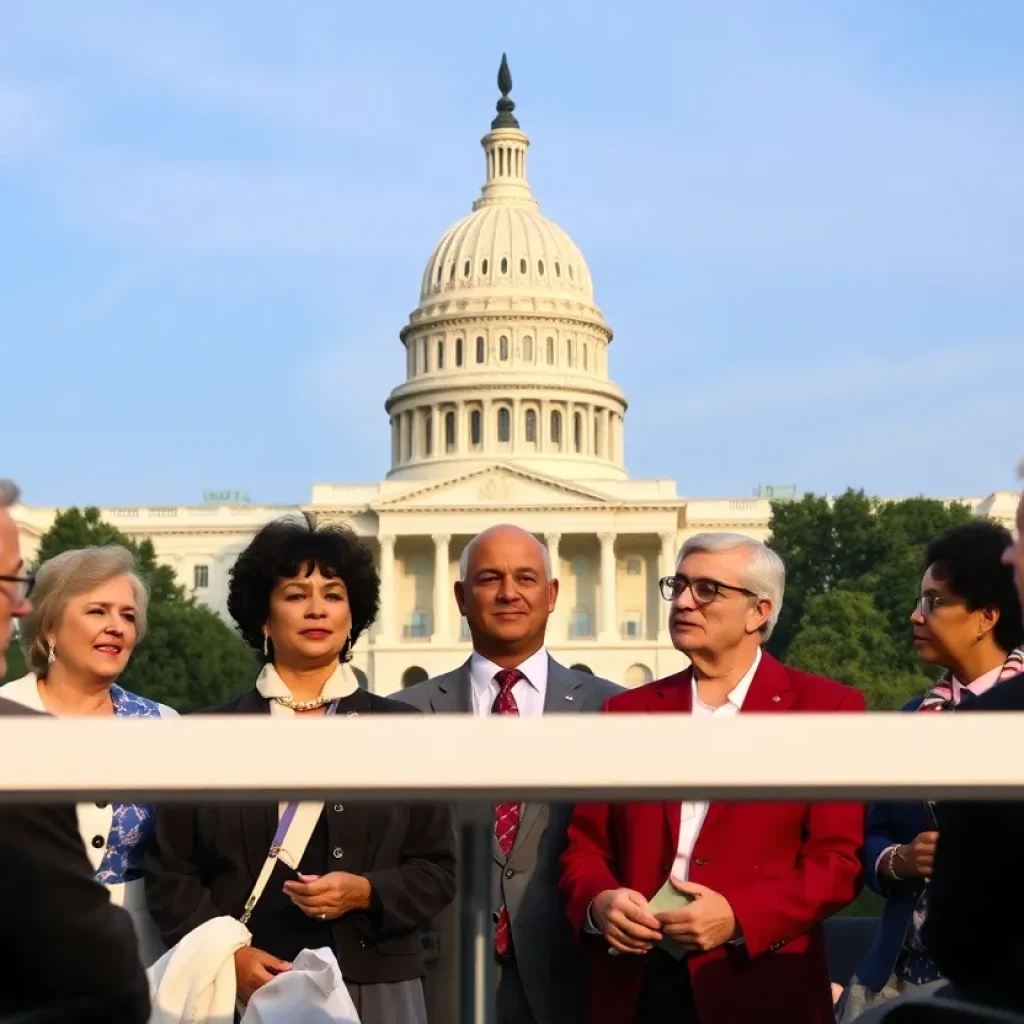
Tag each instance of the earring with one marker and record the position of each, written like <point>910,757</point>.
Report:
<point>51,654</point>
<point>346,651</point>
<point>266,645</point>
<point>981,636</point>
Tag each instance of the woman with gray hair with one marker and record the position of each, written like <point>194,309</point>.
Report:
<point>89,612</point>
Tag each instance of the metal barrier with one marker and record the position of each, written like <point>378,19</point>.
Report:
<point>558,757</point>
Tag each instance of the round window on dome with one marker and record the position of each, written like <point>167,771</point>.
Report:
<point>504,265</point>
<point>483,268</point>
<point>540,267</point>
<point>522,266</point>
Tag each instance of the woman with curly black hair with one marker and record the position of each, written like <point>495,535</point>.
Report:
<point>967,621</point>
<point>362,880</point>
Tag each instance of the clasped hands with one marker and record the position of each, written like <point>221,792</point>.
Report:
<point>622,917</point>
<point>327,897</point>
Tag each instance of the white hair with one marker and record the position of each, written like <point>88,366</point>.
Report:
<point>765,572</point>
<point>9,493</point>
<point>464,557</point>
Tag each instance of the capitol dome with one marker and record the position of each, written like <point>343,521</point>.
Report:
<point>506,352</point>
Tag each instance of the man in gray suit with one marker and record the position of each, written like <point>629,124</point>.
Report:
<point>507,592</point>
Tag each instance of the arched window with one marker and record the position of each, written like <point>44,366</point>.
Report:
<point>503,348</point>
<point>504,265</point>
<point>440,355</point>
<point>458,351</point>
<point>483,267</point>
<point>528,349</point>
<point>475,432</point>
<point>504,426</point>
<point>556,427</point>
<point>440,271</point>
<point>551,352</point>
<point>522,266</point>
<point>451,273</point>
<point>568,352</point>
<point>479,350</point>
<point>577,432</point>
<point>558,269</point>
<point>428,434</point>
<point>540,267</point>
<point>449,431</point>
<point>466,267</point>
<point>531,426</point>
<point>570,272</point>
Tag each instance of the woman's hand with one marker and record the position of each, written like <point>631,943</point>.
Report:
<point>330,896</point>
<point>253,969</point>
<point>917,859</point>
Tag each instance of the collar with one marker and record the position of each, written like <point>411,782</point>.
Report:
<point>738,694</point>
<point>535,668</point>
<point>342,683</point>
<point>24,691</point>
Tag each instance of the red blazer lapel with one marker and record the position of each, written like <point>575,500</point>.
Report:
<point>674,695</point>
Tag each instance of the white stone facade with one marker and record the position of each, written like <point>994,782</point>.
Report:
<point>507,414</point>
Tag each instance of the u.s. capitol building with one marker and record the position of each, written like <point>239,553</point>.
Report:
<point>506,414</point>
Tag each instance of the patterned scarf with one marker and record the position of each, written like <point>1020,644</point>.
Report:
<point>948,692</point>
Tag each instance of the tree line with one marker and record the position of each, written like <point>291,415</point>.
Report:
<point>853,570</point>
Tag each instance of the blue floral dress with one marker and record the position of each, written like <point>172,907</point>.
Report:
<point>132,825</point>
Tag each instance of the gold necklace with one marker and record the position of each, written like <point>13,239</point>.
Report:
<point>302,705</point>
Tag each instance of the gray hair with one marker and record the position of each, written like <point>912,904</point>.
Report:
<point>464,557</point>
<point>9,493</point>
<point>69,575</point>
<point>765,573</point>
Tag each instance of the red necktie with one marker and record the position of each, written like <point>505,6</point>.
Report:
<point>506,817</point>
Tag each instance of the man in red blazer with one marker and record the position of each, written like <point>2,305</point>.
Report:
<point>762,876</point>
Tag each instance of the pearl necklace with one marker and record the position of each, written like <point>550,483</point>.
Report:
<point>302,705</point>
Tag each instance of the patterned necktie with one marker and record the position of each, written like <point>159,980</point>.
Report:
<point>506,816</point>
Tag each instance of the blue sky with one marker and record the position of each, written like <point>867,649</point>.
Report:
<point>804,223</point>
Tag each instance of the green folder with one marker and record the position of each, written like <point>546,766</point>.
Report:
<point>668,897</point>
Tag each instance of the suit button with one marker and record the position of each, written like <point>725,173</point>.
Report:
<point>339,807</point>
<point>102,804</point>
<point>338,853</point>
<point>98,842</point>
<point>509,873</point>
<point>666,867</point>
<point>699,861</point>
<point>362,942</point>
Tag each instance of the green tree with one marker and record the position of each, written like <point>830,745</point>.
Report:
<point>189,658</point>
<point>844,636</point>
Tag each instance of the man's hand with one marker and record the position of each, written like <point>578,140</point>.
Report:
<point>329,896</point>
<point>918,858</point>
<point>253,969</point>
<point>622,917</point>
<point>707,923</point>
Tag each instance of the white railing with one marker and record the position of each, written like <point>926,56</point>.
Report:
<point>565,757</point>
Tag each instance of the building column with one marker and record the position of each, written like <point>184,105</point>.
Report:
<point>436,437</point>
<point>556,624</point>
<point>385,634</point>
<point>607,630</point>
<point>666,567</point>
<point>442,596</point>
<point>544,416</point>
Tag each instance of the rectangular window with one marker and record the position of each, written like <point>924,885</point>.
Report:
<point>449,431</point>
<point>634,566</point>
<point>633,626</point>
<point>418,626</point>
<point>201,577</point>
<point>474,428</point>
<point>579,623</point>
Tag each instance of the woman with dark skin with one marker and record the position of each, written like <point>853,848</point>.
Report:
<point>370,875</point>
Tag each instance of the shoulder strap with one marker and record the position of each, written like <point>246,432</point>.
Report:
<point>298,819</point>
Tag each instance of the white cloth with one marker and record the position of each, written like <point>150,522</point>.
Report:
<point>194,983</point>
<point>529,692</point>
<point>312,992</point>
<point>96,820</point>
<point>341,683</point>
<point>693,813</point>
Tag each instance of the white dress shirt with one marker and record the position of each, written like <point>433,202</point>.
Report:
<point>529,692</point>
<point>692,814</point>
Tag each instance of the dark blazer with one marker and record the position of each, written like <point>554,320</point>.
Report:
<point>62,942</point>
<point>548,958</point>
<point>975,904</point>
<point>204,860</point>
<point>889,823</point>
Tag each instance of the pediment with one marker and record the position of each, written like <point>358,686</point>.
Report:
<point>497,486</point>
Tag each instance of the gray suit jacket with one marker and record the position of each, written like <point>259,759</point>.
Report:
<point>548,958</point>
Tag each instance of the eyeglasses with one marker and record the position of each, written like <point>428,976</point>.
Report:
<point>22,586</point>
<point>927,603</point>
<point>704,590</point>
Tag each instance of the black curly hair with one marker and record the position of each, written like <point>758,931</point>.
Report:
<point>281,550</point>
<point>969,559</point>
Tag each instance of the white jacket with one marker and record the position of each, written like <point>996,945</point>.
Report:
<point>96,819</point>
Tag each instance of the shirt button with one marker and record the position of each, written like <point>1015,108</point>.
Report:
<point>98,842</point>
<point>339,807</point>
<point>338,853</point>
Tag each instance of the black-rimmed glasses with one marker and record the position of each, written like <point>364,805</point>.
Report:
<point>22,586</point>
<point>927,603</point>
<point>704,590</point>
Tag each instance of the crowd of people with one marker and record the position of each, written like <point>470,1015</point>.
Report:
<point>634,913</point>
